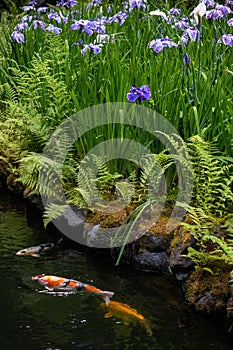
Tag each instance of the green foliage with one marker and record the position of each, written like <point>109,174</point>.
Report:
<point>42,91</point>
<point>211,212</point>
<point>52,212</point>
<point>92,181</point>
<point>42,174</point>
<point>131,221</point>
<point>58,80</point>
<point>47,79</point>
<point>212,179</point>
<point>208,261</point>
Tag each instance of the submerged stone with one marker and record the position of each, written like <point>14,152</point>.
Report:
<point>152,262</point>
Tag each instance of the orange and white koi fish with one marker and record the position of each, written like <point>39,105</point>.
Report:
<point>37,250</point>
<point>53,283</point>
<point>125,313</point>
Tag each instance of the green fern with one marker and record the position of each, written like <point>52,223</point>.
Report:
<point>42,174</point>
<point>211,212</point>
<point>53,211</point>
<point>92,181</point>
<point>208,261</point>
<point>212,179</point>
<point>43,89</point>
<point>153,171</point>
<point>227,248</point>
<point>105,181</point>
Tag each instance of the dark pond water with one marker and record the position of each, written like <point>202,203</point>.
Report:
<point>32,320</point>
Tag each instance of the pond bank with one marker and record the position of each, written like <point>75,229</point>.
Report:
<point>41,321</point>
<point>156,253</point>
<point>161,254</point>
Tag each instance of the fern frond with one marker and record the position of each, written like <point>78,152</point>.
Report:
<point>42,174</point>
<point>226,248</point>
<point>211,178</point>
<point>53,211</point>
<point>206,260</point>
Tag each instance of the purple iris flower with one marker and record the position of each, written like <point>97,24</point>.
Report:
<point>84,25</point>
<point>131,4</point>
<point>118,18</point>
<point>94,3</point>
<point>191,33</point>
<point>209,3</point>
<point>42,9</point>
<point>230,22</point>
<point>26,18</point>
<point>109,9</point>
<point>21,26</point>
<point>18,37</point>
<point>142,93</point>
<point>56,16</point>
<point>39,24</point>
<point>99,25</point>
<point>226,39</point>
<point>159,44</point>
<point>92,47</point>
<point>79,43</point>
<point>224,9</point>
<point>175,11</point>
<point>28,8</point>
<point>182,23</point>
<point>209,14</point>
<point>187,60</point>
<point>67,4</point>
<point>52,28</point>
<point>218,11</point>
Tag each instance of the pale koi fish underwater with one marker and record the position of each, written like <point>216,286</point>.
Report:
<point>37,250</point>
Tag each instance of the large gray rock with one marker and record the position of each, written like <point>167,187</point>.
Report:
<point>154,243</point>
<point>152,262</point>
<point>35,201</point>
<point>180,265</point>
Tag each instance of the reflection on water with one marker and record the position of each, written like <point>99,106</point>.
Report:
<point>39,321</point>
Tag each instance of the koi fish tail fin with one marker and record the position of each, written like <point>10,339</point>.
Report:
<point>106,296</point>
<point>148,328</point>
